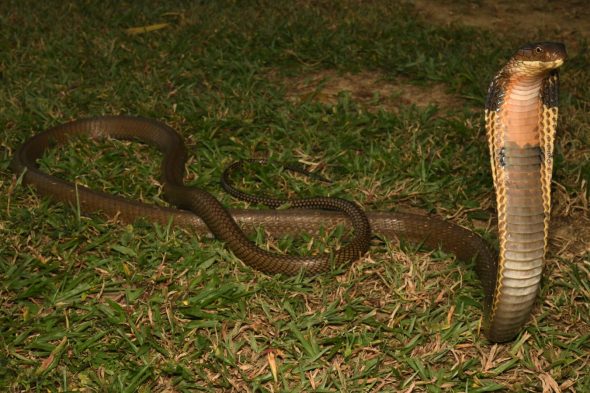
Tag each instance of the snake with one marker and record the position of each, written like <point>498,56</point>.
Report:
<point>520,120</point>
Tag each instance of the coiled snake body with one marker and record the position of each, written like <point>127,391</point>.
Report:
<point>521,114</point>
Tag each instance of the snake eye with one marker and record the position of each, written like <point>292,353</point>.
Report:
<point>538,49</point>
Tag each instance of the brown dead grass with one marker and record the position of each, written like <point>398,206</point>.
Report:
<point>570,224</point>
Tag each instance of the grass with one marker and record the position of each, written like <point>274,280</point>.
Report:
<point>91,305</point>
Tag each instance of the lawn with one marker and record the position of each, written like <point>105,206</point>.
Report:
<point>383,98</point>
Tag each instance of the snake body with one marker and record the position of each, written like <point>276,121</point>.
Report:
<point>520,120</point>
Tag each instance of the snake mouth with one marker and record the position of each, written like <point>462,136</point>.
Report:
<point>534,68</point>
<point>550,65</point>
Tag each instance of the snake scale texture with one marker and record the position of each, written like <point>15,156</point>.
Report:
<point>521,115</point>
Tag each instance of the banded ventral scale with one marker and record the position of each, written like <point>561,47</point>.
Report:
<point>521,118</point>
<point>521,113</point>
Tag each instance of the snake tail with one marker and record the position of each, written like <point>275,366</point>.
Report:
<point>201,203</point>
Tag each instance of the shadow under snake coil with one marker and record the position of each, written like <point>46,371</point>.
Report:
<point>521,116</point>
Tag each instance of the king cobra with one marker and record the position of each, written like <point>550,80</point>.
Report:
<point>520,117</point>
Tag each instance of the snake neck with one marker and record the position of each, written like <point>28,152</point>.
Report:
<point>520,112</point>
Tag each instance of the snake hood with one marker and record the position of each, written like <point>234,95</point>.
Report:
<point>536,60</point>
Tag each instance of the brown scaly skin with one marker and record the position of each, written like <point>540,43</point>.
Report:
<point>506,312</point>
<point>521,119</point>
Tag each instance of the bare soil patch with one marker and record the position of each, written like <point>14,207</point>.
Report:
<point>371,90</point>
<point>527,18</point>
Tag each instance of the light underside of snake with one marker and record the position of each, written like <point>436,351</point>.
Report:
<point>521,115</point>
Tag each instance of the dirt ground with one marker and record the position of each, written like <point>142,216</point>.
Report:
<point>526,18</point>
<point>369,89</point>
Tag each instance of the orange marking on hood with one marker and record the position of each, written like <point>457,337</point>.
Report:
<point>522,107</point>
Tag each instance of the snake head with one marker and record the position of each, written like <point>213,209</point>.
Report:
<point>536,59</point>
